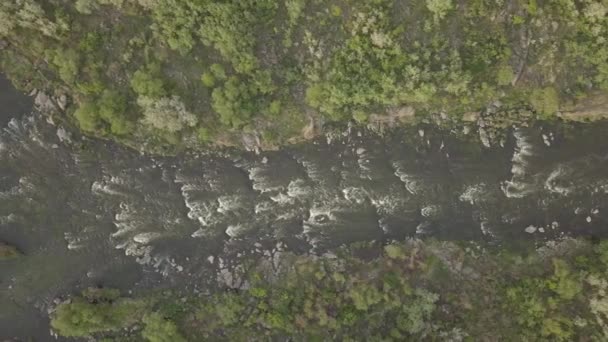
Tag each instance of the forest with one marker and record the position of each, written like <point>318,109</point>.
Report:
<point>412,291</point>
<point>194,73</point>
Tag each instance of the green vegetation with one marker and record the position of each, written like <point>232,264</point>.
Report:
<point>98,310</point>
<point>407,291</point>
<point>235,66</point>
<point>158,329</point>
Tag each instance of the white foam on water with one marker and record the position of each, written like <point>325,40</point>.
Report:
<point>412,183</point>
<point>430,210</point>
<point>230,203</point>
<point>517,187</point>
<point>103,188</point>
<point>12,192</point>
<point>185,188</point>
<point>486,229</point>
<point>123,228</point>
<point>473,193</point>
<point>423,228</point>
<point>10,218</point>
<point>147,237</point>
<point>236,230</point>
<point>552,182</point>
<point>288,216</point>
<point>73,242</point>
<point>259,180</point>
<point>203,212</point>
<point>201,232</point>
<point>298,189</point>
<point>313,171</point>
<point>356,195</point>
<point>513,189</point>
<point>282,199</point>
<point>264,207</point>
<point>388,204</point>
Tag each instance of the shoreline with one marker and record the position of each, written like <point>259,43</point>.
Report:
<point>480,126</point>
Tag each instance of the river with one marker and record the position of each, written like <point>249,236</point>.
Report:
<point>87,212</point>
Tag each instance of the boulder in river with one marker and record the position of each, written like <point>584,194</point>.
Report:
<point>45,103</point>
<point>8,252</point>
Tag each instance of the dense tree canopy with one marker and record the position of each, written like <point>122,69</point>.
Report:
<point>419,290</point>
<point>231,63</point>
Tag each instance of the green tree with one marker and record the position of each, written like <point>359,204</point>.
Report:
<point>86,6</point>
<point>113,110</point>
<point>87,116</point>
<point>234,102</point>
<point>545,101</point>
<point>218,71</point>
<point>67,62</point>
<point>148,82</point>
<point>81,318</point>
<point>439,8</point>
<point>208,79</point>
<point>564,283</point>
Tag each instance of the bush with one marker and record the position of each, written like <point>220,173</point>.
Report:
<point>82,318</point>
<point>439,8</point>
<point>148,82</point>
<point>208,79</point>
<point>545,102</point>
<point>158,329</point>
<point>234,102</point>
<point>67,62</point>
<point>113,110</point>
<point>86,6</point>
<point>87,116</point>
<point>564,283</point>
<point>168,113</point>
<point>218,71</point>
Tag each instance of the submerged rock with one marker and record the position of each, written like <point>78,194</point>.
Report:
<point>8,252</point>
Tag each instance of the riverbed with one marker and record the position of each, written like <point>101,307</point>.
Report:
<point>86,212</point>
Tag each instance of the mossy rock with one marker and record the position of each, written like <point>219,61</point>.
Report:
<point>8,252</point>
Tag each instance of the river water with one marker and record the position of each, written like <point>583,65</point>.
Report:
<point>87,212</point>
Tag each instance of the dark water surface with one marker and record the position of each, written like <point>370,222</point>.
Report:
<point>12,103</point>
<point>87,212</point>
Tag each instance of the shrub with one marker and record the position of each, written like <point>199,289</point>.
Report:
<point>81,318</point>
<point>234,102</point>
<point>158,329</point>
<point>87,116</point>
<point>545,101</point>
<point>113,109</point>
<point>564,283</point>
<point>439,8</point>
<point>86,6</point>
<point>218,71</point>
<point>147,82</point>
<point>167,113</point>
<point>67,62</point>
<point>208,79</point>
